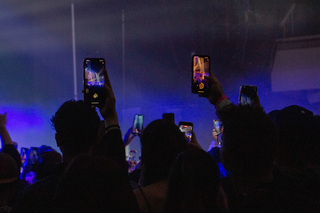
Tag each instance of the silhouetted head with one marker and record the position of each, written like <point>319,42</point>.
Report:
<point>9,175</point>
<point>161,142</point>
<point>47,161</point>
<point>9,171</point>
<point>76,125</point>
<point>94,184</point>
<point>248,142</point>
<point>194,183</point>
<point>298,136</point>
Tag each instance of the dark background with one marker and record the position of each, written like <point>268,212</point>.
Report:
<point>156,47</point>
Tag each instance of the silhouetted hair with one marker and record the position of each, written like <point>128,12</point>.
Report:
<point>47,162</point>
<point>194,184</point>
<point>161,142</point>
<point>249,139</point>
<point>298,136</point>
<point>77,122</point>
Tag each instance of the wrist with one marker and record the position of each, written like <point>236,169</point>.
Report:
<point>222,98</point>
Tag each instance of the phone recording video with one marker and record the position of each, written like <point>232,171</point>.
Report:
<point>33,155</point>
<point>23,154</point>
<point>248,95</point>
<point>137,124</point>
<point>93,80</point>
<point>200,68</point>
<point>217,126</point>
<point>217,131</point>
<point>186,128</point>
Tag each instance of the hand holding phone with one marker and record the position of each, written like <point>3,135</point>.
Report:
<point>186,128</point>
<point>217,126</point>
<point>217,131</point>
<point>137,124</point>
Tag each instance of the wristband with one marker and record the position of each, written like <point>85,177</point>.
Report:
<point>224,97</point>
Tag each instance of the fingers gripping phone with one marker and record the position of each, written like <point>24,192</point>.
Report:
<point>137,124</point>
<point>186,128</point>
<point>248,95</point>
<point>200,68</point>
<point>93,80</point>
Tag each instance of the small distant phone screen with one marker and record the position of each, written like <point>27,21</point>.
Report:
<point>23,154</point>
<point>248,95</point>
<point>200,68</point>
<point>137,124</point>
<point>93,69</point>
<point>217,126</point>
<point>33,154</point>
<point>186,128</point>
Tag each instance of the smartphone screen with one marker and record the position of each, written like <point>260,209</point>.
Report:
<point>217,126</point>
<point>33,155</point>
<point>200,68</point>
<point>137,124</point>
<point>186,128</point>
<point>23,154</point>
<point>248,95</point>
<point>93,82</point>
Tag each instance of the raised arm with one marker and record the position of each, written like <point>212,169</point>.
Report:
<point>7,144</point>
<point>108,108</point>
<point>111,145</point>
<point>215,93</point>
<point>4,134</point>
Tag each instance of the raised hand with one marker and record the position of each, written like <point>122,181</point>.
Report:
<point>215,89</point>
<point>108,108</point>
<point>3,120</point>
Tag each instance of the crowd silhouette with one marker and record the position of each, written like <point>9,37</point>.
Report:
<point>272,163</point>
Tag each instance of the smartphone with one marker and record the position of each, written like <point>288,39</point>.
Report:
<point>169,117</point>
<point>93,80</point>
<point>248,95</point>
<point>200,68</point>
<point>33,155</point>
<point>186,128</point>
<point>23,154</point>
<point>217,126</point>
<point>137,124</point>
<point>132,155</point>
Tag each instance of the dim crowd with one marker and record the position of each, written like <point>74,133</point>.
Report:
<point>273,163</point>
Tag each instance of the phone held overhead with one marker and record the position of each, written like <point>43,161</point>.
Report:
<point>248,95</point>
<point>200,68</point>
<point>137,124</point>
<point>93,80</point>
